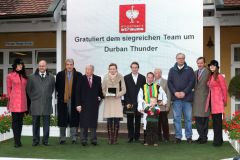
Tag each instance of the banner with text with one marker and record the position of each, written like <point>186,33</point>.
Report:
<point>150,32</point>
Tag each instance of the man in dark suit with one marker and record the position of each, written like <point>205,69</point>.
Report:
<point>66,83</point>
<point>134,81</point>
<point>201,90</point>
<point>91,96</point>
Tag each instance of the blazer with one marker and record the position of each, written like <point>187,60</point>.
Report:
<point>132,89</point>
<point>163,84</point>
<point>91,98</point>
<point>201,90</point>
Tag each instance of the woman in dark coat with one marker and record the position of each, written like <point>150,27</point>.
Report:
<point>67,115</point>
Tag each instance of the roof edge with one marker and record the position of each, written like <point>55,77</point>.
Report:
<point>53,6</point>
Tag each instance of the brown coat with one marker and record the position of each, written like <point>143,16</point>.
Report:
<point>163,84</point>
<point>112,105</point>
<point>200,94</point>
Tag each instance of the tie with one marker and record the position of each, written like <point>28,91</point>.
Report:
<point>69,76</point>
<point>90,82</point>
<point>199,74</point>
<point>42,75</point>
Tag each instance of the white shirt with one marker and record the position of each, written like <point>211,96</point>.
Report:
<point>180,67</point>
<point>142,104</point>
<point>158,81</point>
<point>135,77</point>
<point>44,74</point>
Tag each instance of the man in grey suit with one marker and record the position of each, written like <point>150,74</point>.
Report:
<point>199,101</point>
<point>163,128</point>
<point>40,88</point>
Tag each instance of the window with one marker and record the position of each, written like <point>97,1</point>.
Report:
<point>237,107</point>
<point>1,81</point>
<point>26,56</point>
<point>237,71</point>
<point>52,71</point>
<point>49,56</point>
<point>237,54</point>
<point>1,57</point>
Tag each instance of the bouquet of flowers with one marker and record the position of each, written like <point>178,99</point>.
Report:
<point>5,123</point>
<point>233,126</point>
<point>3,100</point>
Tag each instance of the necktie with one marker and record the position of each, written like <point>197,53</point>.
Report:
<point>69,76</point>
<point>90,82</point>
<point>42,75</point>
<point>199,74</point>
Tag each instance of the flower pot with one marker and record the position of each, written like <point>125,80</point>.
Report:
<point>235,144</point>
<point>6,136</point>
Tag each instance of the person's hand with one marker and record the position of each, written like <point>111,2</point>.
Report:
<point>159,102</point>
<point>182,94</point>
<point>225,104</point>
<point>177,94</point>
<point>167,108</point>
<point>79,108</point>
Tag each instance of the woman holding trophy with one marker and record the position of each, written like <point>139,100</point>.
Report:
<point>113,87</point>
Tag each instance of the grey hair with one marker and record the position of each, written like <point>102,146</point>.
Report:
<point>158,69</point>
<point>180,54</point>
<point>70,60</point>
<point>90,65</point>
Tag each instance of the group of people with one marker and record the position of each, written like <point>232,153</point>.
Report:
<point>149,98</point>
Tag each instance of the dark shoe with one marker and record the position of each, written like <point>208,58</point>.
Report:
<point>202,142</point>
<point>189,140</point>
<point>217,144</point>
<point>35,144</point>
<point>198,140</point>
<point>166,140</point>
<point>130,140</point>
<point>94,143</point>
<point>84,143</point>
<point>62,142</point>
<point>17,145</point>
<point>177,141</point>
<point>45,143</point>
<point>74,142</point>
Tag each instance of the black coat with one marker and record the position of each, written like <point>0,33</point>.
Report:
<point>62,112</point>
<point>132,89</point>
<point>90,102</point>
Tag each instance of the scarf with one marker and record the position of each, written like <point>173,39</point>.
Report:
<point>68,87</point>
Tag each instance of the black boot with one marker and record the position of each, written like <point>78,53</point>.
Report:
<point>110,133</point>
<point>115,133</point>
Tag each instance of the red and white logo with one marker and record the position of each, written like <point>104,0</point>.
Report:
<point>132,18</point>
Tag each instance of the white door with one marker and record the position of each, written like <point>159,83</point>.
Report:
<point>235,70</point>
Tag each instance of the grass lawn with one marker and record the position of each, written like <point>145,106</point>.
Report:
<point>121,151</point>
